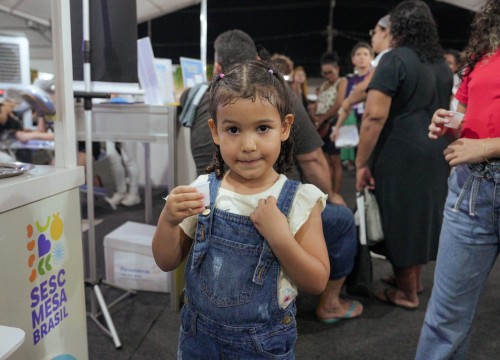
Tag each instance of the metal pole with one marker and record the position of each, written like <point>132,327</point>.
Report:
<point>203,36</point>
<point>329,29</point>
<point>147,183</point>
<point>64,128</point>
<point>90,184</point>
<point>88,149</point>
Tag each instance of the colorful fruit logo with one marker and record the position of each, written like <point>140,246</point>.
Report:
<point>46,249</point>
<point>64,357</point>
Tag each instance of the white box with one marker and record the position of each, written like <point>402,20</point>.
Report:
<point>129,259</point>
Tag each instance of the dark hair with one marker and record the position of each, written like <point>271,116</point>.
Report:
<point>454,53</point>
<point>361,45</point>
<point>412,25</point>
<point>250,80</point>
<point>232,47</point>
<point>330,58</point>
<point>283,63</point>
<point>484,38</point>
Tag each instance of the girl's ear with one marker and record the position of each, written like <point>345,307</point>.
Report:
<point>286,126</point>
<point>217,68</point>
<point>213,130</point>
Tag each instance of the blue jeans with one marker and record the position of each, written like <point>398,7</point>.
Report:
<point>341,238</point>
<point>468,248</point>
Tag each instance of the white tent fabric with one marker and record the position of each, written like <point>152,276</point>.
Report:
<point>31,18</point>
<point>474,5</point>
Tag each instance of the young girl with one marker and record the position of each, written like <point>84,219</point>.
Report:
<point>361,58</point>
<point>324,114</point>
<point>299,84</point>
<point>261,236</point>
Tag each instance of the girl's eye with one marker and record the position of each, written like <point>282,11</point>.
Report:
<point>232,130</point>
<point>263,128</point>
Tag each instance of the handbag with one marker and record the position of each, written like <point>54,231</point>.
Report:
<point>374,232</point>
<point>359,281</point>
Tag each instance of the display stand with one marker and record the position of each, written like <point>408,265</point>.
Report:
<point>97,301</point>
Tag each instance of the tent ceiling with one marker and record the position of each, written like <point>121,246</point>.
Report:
<point>31,18</point>
<point>473,5</point>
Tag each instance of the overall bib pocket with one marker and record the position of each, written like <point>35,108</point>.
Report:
<point>226,272</point>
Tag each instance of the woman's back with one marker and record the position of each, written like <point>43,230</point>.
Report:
<point>417,87</point>
<point>423,84</point>
<point>409,168</point>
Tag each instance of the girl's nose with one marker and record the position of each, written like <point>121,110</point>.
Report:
<point>248,143</point>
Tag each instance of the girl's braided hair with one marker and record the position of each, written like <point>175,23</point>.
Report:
<point>251,80</point>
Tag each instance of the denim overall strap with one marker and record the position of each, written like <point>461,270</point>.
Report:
<point>285,200</point>
<point>214,189</point>
<point>203,230</point>
<point>284,203</point>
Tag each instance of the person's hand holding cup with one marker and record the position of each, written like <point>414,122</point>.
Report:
<point>442,120</point>
<point>455,119</point>
<point>204,188</point>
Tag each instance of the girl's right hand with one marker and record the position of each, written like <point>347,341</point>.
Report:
<point>439,119</point>
<point>183,202</point>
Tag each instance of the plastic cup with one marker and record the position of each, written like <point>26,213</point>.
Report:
<point>204,188</point>
<point>455,119</point>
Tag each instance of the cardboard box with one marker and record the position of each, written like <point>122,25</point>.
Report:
<point>129,259</point>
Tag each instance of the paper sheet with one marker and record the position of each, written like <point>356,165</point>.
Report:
<point>348,136</point>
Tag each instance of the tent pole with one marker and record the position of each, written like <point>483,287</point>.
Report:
<point>203,36</point>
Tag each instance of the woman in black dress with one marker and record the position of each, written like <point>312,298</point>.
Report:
<point>395,156</point>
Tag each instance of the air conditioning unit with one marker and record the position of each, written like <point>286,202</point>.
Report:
<point>14,62</point>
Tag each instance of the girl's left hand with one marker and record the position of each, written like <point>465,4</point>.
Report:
<point>464,151</point>
<point>269,220</point>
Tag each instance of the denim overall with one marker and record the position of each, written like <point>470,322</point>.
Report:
<point>231,308</point>
<point>468,247</point>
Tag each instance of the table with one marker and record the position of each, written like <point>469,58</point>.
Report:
<point>10,339</point>
<point>140,123</point>
<point>134,122</point>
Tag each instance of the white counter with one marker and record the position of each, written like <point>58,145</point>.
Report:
<point>41,182</point>
<point>41,262</point>
<point>10,339</point>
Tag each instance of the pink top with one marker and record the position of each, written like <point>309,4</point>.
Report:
<point>480,92</point>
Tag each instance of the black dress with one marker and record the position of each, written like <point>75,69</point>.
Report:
<point>409,168</point>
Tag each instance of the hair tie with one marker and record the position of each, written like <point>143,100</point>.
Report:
<point>221,75</point>
<point>270,71</point>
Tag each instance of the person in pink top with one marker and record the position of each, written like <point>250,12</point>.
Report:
<point>470,236</point>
